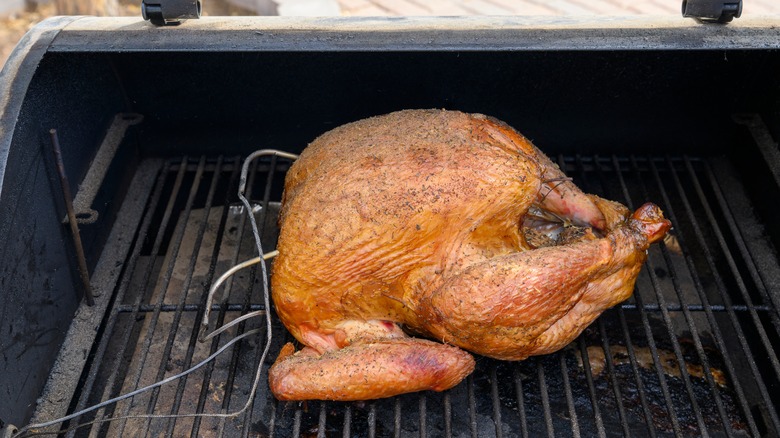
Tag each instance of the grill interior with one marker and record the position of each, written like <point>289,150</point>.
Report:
<point>632,111</point>
<point>692,352</point>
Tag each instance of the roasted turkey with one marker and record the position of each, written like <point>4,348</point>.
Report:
<point>445,225</point>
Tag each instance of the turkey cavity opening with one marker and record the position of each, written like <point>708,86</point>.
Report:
<point>542,228</point>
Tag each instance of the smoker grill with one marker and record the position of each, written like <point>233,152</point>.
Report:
<point>153,125</point>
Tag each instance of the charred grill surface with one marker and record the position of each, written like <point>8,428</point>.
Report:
<point>694,350</point>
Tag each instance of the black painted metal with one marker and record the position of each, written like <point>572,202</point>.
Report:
<point>34,270</point>
<point>170,12</point>
<point>718,11</point>
<point>701,316</point>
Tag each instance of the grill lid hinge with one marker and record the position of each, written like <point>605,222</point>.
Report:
<point>712,11</point>
<point>170,12</point>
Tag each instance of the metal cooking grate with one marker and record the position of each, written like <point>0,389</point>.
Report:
<point>693,352</point>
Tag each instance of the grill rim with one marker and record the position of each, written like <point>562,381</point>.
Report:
<point>465,33</point>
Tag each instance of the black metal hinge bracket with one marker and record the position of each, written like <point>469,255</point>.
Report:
<point>712,11</point>
<point>170,12</point>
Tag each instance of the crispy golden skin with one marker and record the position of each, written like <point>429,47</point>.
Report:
<point>411,364</point>
<point>415,218</point>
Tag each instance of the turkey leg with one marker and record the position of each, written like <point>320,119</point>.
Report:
<point>528,303</point>
<point>368,370</point>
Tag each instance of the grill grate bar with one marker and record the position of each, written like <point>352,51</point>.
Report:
<point>670,324</point>
<point>183,296</point>
<point>226,289</point>
<point>719,339</point>
<point>397,417</point>
<point>629,343</point>
<point>111,381</point>
<point>647,327</point>
<point>249,414</point>
<point>545,400</point>
<point>447,414</point>
<point>272,419</point>
<point>296,431</point>
<point>694,331</point>
<point>165,281</point>
<point>191,307</point>
<point>422,408</point>
<point>372,420</point>
<point>750,358</point>
<point>496,401</point>
<point>472,406</point>
<point>207,284</point>
<point>262,166</point>
<point>347,421</point>
<point>635,372</point>
<point>748,260</point>
<point>322,421</point>
<point>626,334</point>
<point>667,318</point>
<point>234,307</point>
<point>575,424</point>
<point>697,307</point>
<point>122,289</point>
<point>233,371</point>
<point>592,390</point>
<point>744,250</point>
<point>520,401</point>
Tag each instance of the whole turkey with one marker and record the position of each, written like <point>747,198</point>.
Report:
<point>446,225</point>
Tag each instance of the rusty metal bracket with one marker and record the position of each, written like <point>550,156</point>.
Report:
<point>74,227</point>
<point>82,203</point>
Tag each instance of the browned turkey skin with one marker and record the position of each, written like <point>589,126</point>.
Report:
<point>417,218</point>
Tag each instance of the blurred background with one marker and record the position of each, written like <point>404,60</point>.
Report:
<point>17,16</point>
